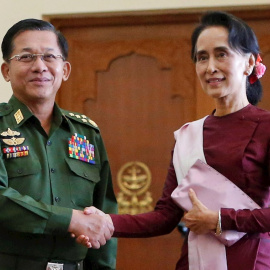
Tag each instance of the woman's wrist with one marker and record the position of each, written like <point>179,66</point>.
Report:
<point>218,226</point>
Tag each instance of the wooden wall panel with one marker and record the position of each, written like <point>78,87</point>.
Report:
<point>132,74</point>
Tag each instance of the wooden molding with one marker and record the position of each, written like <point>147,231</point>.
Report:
<point>152,16</point>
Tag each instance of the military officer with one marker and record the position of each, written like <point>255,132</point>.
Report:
<point>53,162</point>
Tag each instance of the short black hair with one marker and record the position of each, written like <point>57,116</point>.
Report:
<point>31,25</point>
<point>241,38</point>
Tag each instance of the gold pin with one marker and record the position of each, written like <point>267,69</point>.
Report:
<point>71,114</point>
<point>78,116</point>
<point>13,141</point>
<point>92,123</point>
<point>10,132</point>
<point>18,116</point>
<point>84,120</point>
<point>84,116</point>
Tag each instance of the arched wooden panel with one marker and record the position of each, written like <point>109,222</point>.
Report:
<point>132,74</point>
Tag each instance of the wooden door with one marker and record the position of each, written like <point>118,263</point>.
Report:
<point>132,74</point>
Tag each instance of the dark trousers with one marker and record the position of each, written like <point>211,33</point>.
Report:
<point>13,262</point>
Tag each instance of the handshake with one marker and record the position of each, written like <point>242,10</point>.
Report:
<point>92,228</point>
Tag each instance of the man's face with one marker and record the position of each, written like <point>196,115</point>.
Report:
<point>36,81</point>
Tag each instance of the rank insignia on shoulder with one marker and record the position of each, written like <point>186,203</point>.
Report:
<point>92,123</point>
<point>16,151</point>
<point>11,137</point>
<point>80,148</point>
<point>83,118</point>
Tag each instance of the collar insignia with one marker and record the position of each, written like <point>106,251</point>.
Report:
<point>18,116</point>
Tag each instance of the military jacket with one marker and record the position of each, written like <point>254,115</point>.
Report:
<point>43,177</point>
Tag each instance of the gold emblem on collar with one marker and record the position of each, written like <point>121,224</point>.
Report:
<point>18,116</point>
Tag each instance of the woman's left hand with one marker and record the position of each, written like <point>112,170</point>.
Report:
<point>200,219</point>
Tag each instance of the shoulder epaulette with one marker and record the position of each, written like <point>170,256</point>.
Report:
<point>81,118</point>
<point>5,109</point>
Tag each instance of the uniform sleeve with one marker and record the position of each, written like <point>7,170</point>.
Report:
<point>21,213</point>
<point>162,220</point>
<point>104,199</point>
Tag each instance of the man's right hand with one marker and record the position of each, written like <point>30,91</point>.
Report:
<point>92,230</point>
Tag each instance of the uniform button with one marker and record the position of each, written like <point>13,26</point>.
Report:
<point>57,199</point>
<point>49,143</point>
<point>19,171</point>
<point>52,170</point>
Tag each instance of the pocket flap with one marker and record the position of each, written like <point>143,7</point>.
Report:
<point>85,170</point>
<point>22,166</point>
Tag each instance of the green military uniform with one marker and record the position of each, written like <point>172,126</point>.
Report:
<point>41,181</point>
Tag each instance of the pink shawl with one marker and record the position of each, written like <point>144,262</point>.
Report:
<point>213,189</point>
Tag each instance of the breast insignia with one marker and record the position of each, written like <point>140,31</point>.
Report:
<point>14,152</point>
<point>80,148</point>
<point>11,137</point>
<point>13,141</point>
<point>10,132</point>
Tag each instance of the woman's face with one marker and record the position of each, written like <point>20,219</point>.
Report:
<point>221,70</point>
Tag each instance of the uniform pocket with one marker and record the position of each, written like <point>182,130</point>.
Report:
<point>23,166</point>
<point>24,175</point>
<point>82,179</point>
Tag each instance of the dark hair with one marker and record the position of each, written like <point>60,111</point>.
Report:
<point>31,25</point>
<point>241,38</point>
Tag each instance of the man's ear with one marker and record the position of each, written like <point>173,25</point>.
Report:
<point>66,70</point>
<point>5,71</point>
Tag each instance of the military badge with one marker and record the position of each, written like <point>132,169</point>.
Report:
<point>83,118</point>
<point>12,139</point>
<point>92,123</point>
<point>13,152</point>
<point>80,148</point>
<point>18,116</point>
<point>10,132</point>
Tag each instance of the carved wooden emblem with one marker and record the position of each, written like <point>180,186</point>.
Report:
<point>134,179</point>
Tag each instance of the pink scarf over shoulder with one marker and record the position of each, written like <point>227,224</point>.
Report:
<point>213,189</point>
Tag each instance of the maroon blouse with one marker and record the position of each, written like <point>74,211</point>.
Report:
<point>236,145</point>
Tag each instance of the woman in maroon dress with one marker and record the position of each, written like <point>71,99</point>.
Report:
<point>236,140</point>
